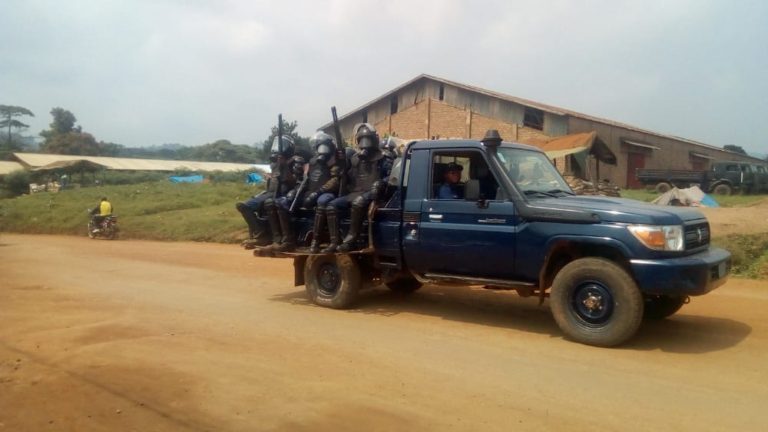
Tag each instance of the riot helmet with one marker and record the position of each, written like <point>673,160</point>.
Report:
<point>323,146</point>
<point>296,165</point>
<point>367,140</point>
<point>285,151</point>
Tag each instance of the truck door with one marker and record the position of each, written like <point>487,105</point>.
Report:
<point>455,236</point>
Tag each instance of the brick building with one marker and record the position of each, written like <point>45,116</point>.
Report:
<point>431,107</point>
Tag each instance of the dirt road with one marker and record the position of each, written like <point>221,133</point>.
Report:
<point>149,336</point>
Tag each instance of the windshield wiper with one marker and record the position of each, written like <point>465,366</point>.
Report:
<point>532,192</point>
<point>557,191</point>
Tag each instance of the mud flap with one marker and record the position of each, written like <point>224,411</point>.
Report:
<point>298,270</point>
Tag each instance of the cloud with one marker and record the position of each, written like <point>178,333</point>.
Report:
<point>147,72</point>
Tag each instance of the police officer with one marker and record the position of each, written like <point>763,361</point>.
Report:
<point>279,183</point>
<point>366,178</point>
<point>324,177</point>
<point>278,210</point>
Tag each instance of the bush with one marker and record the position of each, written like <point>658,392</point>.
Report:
<point>16,183</point>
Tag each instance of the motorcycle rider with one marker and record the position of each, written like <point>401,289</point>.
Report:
<point>281,180</point>
<point>366,177</point>
<point>100,212</point>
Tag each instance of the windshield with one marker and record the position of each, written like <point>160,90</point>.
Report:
<point>532,172</point>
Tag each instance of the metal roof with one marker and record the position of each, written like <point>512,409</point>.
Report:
<point>36,160</point>
<point>7,167</point>
<point>528,103</point>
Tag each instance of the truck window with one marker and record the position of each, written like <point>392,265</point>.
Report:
<point>452,170</point>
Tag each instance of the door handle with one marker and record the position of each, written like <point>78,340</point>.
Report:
<point>492,221</point>
<point>436,217</point>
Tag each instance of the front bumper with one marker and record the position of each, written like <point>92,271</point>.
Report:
<point>691,275</point>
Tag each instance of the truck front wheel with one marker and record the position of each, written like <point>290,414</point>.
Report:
<point>594,301</point>
<point>663,187</point>
<point>332,280</point>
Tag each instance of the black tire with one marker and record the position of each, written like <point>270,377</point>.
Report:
<point>594,301</point>
<point>332,280</point>
<point>404,284</point>
<point>722,189</point>
<point>90,230</point>
<point>658,307</point>
<point>663,187</point>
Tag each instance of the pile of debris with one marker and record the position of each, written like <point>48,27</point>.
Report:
<point>584,187</point>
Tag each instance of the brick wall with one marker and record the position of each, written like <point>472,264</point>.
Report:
<point>433,118</point>
<point>446,121</point>
<point>411,122</point>
<point>480,124</point>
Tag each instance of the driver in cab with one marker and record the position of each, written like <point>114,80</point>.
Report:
<point>451,187</point>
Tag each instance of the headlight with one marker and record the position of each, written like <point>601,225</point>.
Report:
<point>659,237</point>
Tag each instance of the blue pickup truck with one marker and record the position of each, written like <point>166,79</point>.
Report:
<point>603,263</point>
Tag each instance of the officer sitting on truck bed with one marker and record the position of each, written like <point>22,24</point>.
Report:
<point>366,177</point>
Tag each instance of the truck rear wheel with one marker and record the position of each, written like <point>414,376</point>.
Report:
<point>332,280</point>
<point>658,307</point>
<point>663,187</point>
<point>594,301</point>
<point>722,189</point>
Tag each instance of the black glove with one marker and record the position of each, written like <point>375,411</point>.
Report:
<point>376,189</point>
<point>312,197</point>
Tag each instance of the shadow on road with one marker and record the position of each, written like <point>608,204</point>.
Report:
<point>689,334</point>
<point>475,306</point>
<point>678,334</point>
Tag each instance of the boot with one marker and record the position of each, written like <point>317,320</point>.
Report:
<point>274,225</point>
<point>333,231</point>
<point>317,230</point>
<point>355,224</point>
<point>289,236</point>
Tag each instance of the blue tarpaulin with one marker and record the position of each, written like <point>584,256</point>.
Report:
<point>186,179</point>
<point>254,178</point>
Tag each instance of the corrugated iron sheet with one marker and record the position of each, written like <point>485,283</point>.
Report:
<point>36,160</point>
<point>9,166</point>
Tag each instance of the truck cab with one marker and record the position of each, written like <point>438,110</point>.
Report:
<point>603,263</point>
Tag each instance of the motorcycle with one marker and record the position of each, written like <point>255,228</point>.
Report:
<point>107,229</point>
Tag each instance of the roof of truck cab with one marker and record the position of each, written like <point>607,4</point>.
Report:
<point>459,143</point>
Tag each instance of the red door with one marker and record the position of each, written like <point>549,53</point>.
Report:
<point>635,161</point>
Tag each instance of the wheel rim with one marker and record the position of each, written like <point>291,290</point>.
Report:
<point>329,279</point>
<point>592,303</point>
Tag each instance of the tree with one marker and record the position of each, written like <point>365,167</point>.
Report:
<point>72,143</point>
<point>734,148</point>
<point>289,128</point>
<point>7,114</point>
<point>65,138</point>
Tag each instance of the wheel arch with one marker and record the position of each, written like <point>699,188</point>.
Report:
<point>563,250</point>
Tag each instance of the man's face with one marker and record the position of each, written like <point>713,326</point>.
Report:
<point>452,176</point>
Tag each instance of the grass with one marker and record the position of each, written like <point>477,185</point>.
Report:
<point>206,212</point>
<point>724,201</point>
<point>156,210</point>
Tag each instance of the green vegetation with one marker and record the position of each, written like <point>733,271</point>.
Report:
<point>749,254</point>
<point>206,212</point>
<point>157,211</point>
<point>724,201</point>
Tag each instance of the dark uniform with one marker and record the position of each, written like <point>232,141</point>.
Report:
<point>281,181</point>
<point>366,177</point>
<point>317,189</point>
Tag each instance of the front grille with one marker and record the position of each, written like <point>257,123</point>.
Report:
<point>696,236</point>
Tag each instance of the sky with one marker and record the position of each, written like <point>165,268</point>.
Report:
<point>142,73</point>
